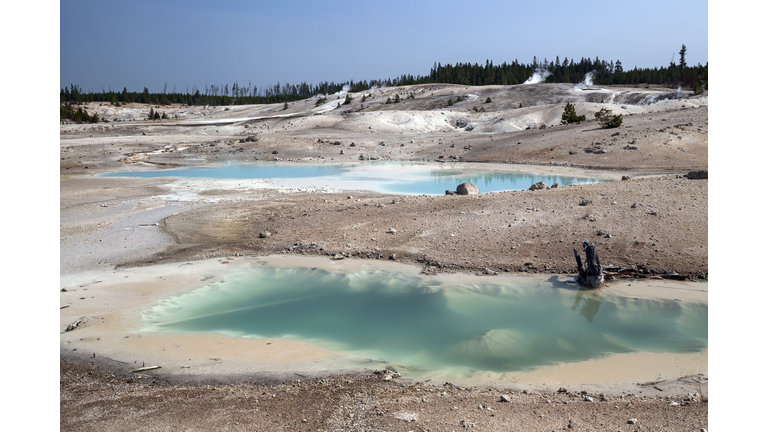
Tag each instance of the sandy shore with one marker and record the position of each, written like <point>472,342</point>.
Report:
<point>110,306</point>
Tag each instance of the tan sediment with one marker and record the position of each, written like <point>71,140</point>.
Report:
<point>113,325</point>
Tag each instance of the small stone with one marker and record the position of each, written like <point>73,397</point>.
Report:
<point>625,177</point>
<point>391,231</point>
<point>538,186</point>
<point>338,257</point>
<point>585,202</point>
<point>265,234</point>
<point>505,398</point>
<point>632,421</point>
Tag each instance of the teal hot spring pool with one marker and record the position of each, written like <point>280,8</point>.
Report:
<point>387,177</point>
<point>425,326</point>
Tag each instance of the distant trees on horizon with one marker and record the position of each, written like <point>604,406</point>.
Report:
<point>565,71</point>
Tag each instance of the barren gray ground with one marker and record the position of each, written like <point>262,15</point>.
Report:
<point>654,224</point>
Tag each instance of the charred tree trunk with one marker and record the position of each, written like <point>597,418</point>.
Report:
<point>592,275</point>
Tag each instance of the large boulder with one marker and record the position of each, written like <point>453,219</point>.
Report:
<point>466,189</point>
<point>537,186</point>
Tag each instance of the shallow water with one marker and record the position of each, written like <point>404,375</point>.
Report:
<point>423,326</point>
<point>387,177</point>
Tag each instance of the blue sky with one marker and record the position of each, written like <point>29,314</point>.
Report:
<point>190,43</point>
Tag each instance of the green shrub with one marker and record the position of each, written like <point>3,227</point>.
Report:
<point>697,89</point>
<point>450,102</point>
<point>488,100</point>
<point>397,98</point>
<point>347,100</point>
<point>606,120</point>
<point>569,114</point>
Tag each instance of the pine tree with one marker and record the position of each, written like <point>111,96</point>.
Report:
<point>569,114</point>
<point>151,115</point>
<point>683,50</point>
<point>488,100</point>
<point>397,97</point>
<point>347,100</point>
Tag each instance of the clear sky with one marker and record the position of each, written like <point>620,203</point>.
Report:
<point>146,43</point>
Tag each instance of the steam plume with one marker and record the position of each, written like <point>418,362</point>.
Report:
<point>538,76</point>
<point>588,81</point>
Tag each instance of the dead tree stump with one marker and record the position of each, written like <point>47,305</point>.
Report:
<point>592,275</point>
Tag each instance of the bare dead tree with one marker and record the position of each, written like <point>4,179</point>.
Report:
<point>592,275</point>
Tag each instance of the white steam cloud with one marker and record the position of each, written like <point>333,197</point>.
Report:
<point>538,76</point>
<point>679,92</point>
<point>588,81</point>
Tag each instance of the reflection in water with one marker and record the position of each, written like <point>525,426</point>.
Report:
<point>592,299</point>
<point>420,324</point>
<point>392,177</point>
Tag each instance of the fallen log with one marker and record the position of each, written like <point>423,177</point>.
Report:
<point>591,276</point>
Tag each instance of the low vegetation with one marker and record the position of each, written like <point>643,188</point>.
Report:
<point>606,120</point>
<point>569,114</point>
<point>67,112</point>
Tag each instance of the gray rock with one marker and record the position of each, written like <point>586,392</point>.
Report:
<point>505,398</point>
<point>466,189</point>
<point>450,192</point>
<point>555,185</point>
<point>698,175</point>
<point>466,424</point>
<point>74,325</point>
<point>391,231</point>
<point>585,202</point>
<point>625,177</point>
<point>338,257</point>
<point>265,234</point>
<point>537,186</point>
<point>632,421</point>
